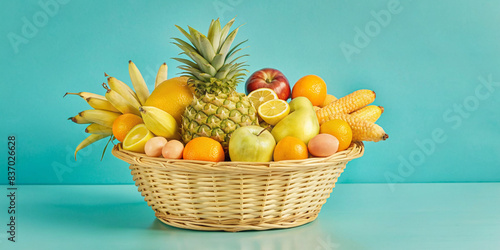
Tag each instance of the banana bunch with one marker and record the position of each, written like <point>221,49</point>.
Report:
<point>119,99</point>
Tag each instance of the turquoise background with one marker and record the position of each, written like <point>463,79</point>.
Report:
<point>426,59</point>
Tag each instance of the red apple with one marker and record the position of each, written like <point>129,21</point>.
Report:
<point>271,79</point>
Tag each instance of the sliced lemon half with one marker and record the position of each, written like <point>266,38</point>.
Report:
<point>136,138</point>
<point>273,111</point>
<point>262,95</point>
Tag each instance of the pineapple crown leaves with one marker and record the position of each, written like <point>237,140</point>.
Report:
<point>212,64</point>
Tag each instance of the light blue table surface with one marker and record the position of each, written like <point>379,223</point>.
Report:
<point>357,216</point>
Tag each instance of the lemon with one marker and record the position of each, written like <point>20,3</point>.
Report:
<point>340,129</point>
<point>273,111</point>
<point>172,96</point>
<point>136,138</point>
<point>262,95</point>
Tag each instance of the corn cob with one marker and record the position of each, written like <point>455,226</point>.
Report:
<point>346,104</point>
<point>369,113</point>
<point>363,130</point>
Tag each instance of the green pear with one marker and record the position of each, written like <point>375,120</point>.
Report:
<point>301,123</point>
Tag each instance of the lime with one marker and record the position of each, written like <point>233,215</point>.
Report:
<point>136,138</point>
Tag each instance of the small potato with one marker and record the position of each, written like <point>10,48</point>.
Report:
<point>323,145</point>
<point>173,150</point>
<point>154,146</point>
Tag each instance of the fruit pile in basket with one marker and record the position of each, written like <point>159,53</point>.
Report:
<point>200,116</point>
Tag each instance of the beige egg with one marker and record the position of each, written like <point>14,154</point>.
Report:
<point>173,150</point>
<point>323,145</point>
<point>154,146</point>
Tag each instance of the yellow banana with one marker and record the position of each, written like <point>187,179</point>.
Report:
<point>162,74</point>
<point>86,95</point>
<point>102,117</point>
<point>141,89</point>
<point>89,140</point>
<point>95,101</point>
<point>95,128</point>
<point>119,102</point>
<point>160,122</point>
<point>125,91</point>
<point>79,119</point>
<point>103,104</point>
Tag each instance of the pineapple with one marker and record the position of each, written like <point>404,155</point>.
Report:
<point>217,109</point>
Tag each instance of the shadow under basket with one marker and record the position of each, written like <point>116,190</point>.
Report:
<point>236,196</point>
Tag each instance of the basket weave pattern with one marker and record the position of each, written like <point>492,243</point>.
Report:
<point>236,196</point>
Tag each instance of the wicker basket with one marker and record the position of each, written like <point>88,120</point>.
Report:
<point>236,196</point>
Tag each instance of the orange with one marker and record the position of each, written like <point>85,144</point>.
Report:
<point>172,96</point>
<point>203,149</point>
<point>290,148</point>
<point>312,87</point>
<point>328,99</point>
<point>340,129</point>
<point>123,124</point>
